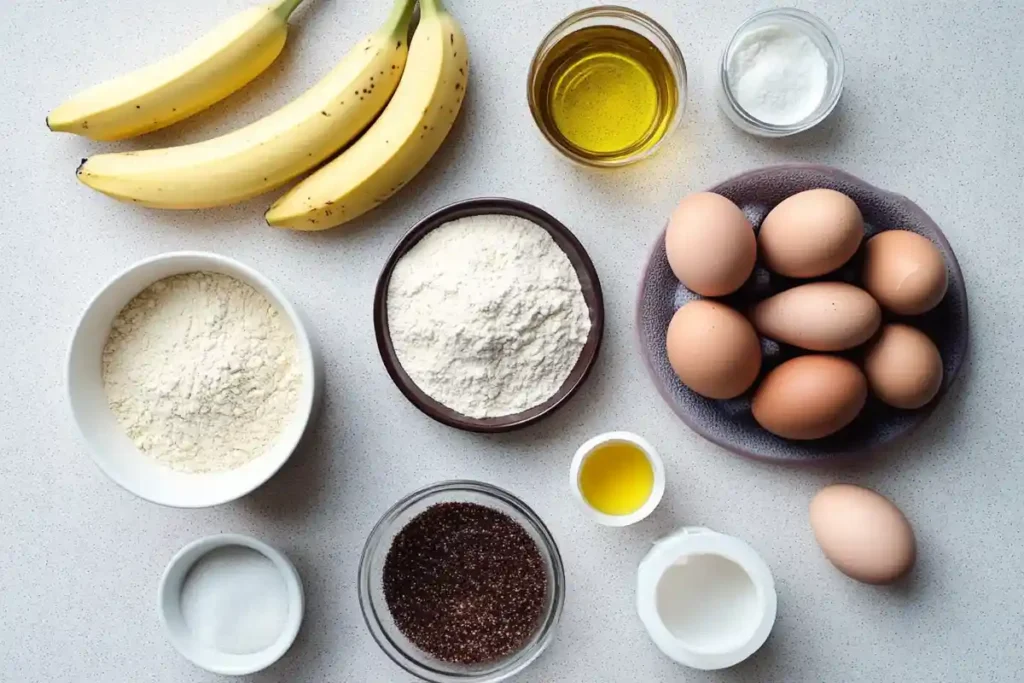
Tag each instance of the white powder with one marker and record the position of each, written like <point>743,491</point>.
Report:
<point>777,74</point>
<point>201,372</point>
<point>235,600</point>
<point>487,315</point>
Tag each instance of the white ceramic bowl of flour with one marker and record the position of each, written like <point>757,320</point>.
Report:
<point>111,447</point>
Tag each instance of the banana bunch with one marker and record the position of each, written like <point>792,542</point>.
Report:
<point>397,116</point>
<point>399,144</point>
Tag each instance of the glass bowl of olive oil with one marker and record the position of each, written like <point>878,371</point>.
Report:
<point>607,86</point>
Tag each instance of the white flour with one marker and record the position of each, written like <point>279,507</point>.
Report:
<point>487,316</point>
<point>778,75</point>
<point>201,372</point>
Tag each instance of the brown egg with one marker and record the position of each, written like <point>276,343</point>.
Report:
<point>713,349</point>
<point>820,316</point>
<point>862,533</point>
<point>904,367</point>
<point>810,233</point>
<point>810,397</point>
<point>905,272</point>
<point>710,244</point>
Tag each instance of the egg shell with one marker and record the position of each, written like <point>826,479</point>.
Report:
<point>905,272</point>
<point>713,349</point>
<point>810,397</point>
<point>710,244</point>
<point>811,233</point>
<point>820,316</point>
<point>862,533</point>
<point>904,367</point>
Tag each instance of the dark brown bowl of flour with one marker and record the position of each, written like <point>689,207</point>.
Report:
<point>545,337</point>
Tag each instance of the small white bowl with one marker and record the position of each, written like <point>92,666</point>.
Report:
<point>707,600</point>
<point>184,640</point>
<point>111,448</point>
<point>652,456</point>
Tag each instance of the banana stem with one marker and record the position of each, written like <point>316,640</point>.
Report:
<point>431,7</point>
<point>285,9</point>
<point>401,16</point>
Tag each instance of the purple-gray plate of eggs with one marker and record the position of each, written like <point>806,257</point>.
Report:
<point>797,314</point>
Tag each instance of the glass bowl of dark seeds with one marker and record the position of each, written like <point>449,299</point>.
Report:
<point>461,581</point>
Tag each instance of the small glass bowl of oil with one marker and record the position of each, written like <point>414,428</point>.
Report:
<point>607,86</point>
<point>618,478</point>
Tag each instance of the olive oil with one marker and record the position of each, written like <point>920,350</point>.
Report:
<point>616,478</point>
<point>605,94</point>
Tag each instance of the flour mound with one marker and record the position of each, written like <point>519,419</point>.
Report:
<point>487,315</point>
<point>200,370</point>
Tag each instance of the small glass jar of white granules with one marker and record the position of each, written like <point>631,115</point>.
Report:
<point>781,74</point>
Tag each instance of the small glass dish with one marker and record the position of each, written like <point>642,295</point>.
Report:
<point>607,15</point>
<point>378,617</point>
<point>826,41</point>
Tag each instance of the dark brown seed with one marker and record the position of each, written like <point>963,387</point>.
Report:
<point>465,583</point>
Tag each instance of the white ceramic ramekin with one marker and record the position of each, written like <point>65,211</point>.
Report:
<point>111,448</point>
<point>707,600</point>
<point>181,636</point>
<point>652,456</point>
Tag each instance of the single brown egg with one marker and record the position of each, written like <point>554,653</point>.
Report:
<point>905,272</point>
<point>862,533</point>
<point>810,397</point>
<point>811,233</point>
<point>710,244</point>
<point>713,349</point>
<point>819,316</point>
<point>904,367</point>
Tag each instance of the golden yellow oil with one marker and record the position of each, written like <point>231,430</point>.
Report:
<point>605,93</point>
<point>616,478</point>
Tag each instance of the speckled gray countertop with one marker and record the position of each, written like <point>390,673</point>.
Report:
<point>932,109</point>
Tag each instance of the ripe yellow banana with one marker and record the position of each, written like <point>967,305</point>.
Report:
<point>270,152</point>
<point>183,84</point>
<point>399,144</point>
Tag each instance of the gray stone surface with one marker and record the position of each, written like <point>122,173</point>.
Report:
<point>932,110</point>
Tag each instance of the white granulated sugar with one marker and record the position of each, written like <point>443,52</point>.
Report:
<point>201,372</point>
<point>777,74</point>
<point>487,315</point>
